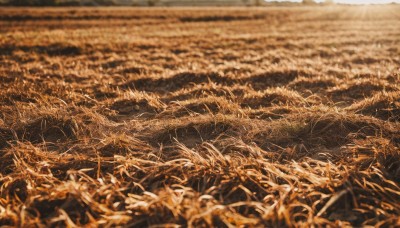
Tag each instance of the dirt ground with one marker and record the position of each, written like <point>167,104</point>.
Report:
<point>200,117</point>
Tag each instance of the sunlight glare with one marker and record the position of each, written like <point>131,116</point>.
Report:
<point>347,1</point>
<point>367,1</point>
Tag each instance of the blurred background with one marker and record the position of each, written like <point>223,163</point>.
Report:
<point>186,2</point>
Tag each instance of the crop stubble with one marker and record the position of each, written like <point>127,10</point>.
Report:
<point>200,117</point>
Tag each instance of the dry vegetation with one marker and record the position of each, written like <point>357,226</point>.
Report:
<point>200,117</point>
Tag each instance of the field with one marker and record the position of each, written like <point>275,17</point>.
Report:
<point>200,117</point>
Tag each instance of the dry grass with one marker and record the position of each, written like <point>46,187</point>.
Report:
<point>275,117</point>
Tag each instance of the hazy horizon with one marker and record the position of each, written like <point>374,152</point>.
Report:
<point>347,1</point>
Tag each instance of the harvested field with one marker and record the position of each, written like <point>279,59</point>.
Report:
<point>200,117</point>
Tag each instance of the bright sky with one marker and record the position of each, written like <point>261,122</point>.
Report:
<point>349,1</point>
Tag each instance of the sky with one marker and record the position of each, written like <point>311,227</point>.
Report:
<point>353,1</point>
